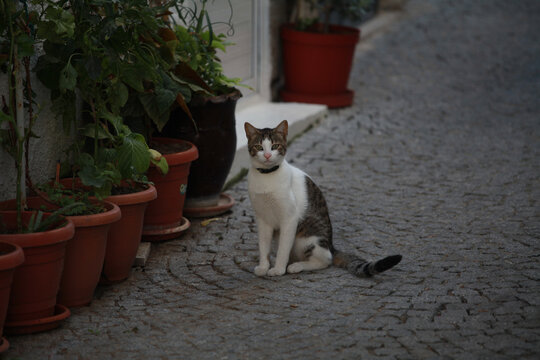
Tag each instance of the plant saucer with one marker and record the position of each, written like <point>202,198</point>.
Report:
<point>225,203</point>
<point>165,232</point>
<point>38,325</point>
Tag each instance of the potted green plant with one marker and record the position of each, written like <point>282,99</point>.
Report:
<point>112,55</point>
<point>95,55</point>
<point>32,302</point>
<point>317,55</point>
<point>147,71</point>
<point>209,121</point>
<point>85,252</point>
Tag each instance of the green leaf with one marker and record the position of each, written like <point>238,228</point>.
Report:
<point>184,74</point>
<point>57,216</point>
<point>162,165</point>
<point>100,177</point>
<point>47,30</point>
<point>118,94</point>
<point>91,176</point>
<point>133,155</point>
<point>148,101</point>
<point>64,20</point>
<point>68,78</point>
<point>158,115</point>
<point>25,45</point>
<point>89,130</point>
<point>103,191</point>
<point>58,24</point>
<point>107,155</point>
<point>113,119</point>
<point>31,223</point>
<point>163,119</point>
<point>165,98</point>
<point>132,76</point>
<point>122,94</point>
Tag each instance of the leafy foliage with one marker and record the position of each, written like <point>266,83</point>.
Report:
<point>347,9</point>
<point>38,222</point>
<point>106,52</point>
<point>115,60</point>
<point>198,47</point>
<point>191,48</point>
<point>70,201</point>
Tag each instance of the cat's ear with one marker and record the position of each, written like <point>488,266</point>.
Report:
<point>250,130</point>
<point>283,128</point>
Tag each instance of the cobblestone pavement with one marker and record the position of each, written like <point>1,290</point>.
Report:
<point>439,160</point>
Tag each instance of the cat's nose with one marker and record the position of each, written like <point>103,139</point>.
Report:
<point>267,155</point>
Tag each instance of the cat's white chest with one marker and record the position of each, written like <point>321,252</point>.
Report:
<point>278,197</point>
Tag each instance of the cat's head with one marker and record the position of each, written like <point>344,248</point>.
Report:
<point>267,147</point>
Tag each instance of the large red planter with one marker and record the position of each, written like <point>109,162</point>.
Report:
<point>85,255</point>
<point>36,282</point>
<point>164,216</point>
<point>11,256</point>
<point>317,65</point>
<point>125,235</point>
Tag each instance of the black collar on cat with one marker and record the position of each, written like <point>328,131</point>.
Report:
<point>268,171</point>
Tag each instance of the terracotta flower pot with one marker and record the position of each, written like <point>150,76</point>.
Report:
<point>11,256</point>
<point>164,216</point>
<point>125,235</point>
<point>215,138</point>
<point>317,65</point>
<point>36,282</point>
<point>85,255</point>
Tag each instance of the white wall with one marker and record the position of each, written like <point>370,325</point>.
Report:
<point>44,151</point>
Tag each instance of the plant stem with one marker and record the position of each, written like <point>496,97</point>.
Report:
<point>19,107</point>
<point>96,127</point>
<point>327,10</point>
<point>200,20</point>
<point>31,120</point>
<point>16,97</point>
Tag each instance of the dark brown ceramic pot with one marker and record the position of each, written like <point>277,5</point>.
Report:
<point>215,137</point>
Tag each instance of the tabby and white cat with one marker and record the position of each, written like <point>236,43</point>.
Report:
<point>287,202</point>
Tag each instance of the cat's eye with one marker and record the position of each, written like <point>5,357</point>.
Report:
<point>275,146</point>
<point>258,147</point>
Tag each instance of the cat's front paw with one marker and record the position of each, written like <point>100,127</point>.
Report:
<point>261,270</point>
<point>276,271</point>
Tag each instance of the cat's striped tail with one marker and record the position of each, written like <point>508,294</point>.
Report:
<point>361,267</point>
